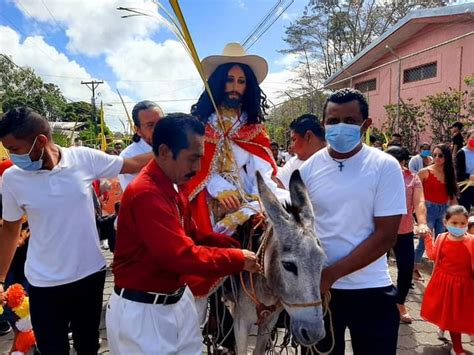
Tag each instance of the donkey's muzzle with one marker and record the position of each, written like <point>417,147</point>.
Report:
<point>308,333</point>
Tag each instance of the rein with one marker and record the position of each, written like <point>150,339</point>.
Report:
<point>263,311</point>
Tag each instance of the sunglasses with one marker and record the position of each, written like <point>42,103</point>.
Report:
<point>438,155</point>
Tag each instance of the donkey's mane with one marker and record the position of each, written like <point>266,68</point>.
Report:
<point>295,211</point>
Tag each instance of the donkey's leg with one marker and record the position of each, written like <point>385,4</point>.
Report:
<point>241,332</point>
<point>264,334</point>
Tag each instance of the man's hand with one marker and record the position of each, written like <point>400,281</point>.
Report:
<point>229,203</point>
<point>251,264</point>
<point>327,280</point>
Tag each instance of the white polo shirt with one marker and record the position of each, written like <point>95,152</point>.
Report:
<point>346,202</point>
<point>134,149</point>
<point>64,243</point>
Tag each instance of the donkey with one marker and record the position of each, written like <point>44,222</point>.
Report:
<point>292,261</point>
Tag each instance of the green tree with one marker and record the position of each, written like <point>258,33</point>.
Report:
<point>21,86</point>
<point>442,110</point>
<point>411,125</point>
<point>331,32</point>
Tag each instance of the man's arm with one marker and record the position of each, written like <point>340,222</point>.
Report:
<point>173,250</point>
<point>9,237</point>
<point>135,164</point>
<point>377,244</point>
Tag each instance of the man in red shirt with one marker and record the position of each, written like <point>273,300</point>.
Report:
<point>152,311</point>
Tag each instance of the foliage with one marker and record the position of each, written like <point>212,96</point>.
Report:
<point>469,80</point>
<point>332,32</point>
<point>21,86</point>
<point>411,125</point>
<point>280,117</point>
<point>442,110</point>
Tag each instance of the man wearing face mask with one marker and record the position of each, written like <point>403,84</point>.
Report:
<point>358,197</point>
<point>64,265</point>
<point>421,160</point>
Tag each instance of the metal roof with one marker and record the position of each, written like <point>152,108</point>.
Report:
<point>406,28</point>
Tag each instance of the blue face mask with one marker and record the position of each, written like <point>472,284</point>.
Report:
<point>343,137</point>
<point>425,153</point>
<point>24,162</point>
<point>455,231</point>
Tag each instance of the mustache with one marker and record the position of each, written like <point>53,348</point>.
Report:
<point>190,175</point>
<point>233,93</point>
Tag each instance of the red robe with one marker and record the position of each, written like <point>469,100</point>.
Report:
<point>250,137</point>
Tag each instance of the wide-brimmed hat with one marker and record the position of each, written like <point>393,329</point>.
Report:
<point>235,53</point>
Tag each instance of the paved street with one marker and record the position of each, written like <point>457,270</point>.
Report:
<point>417,338</point>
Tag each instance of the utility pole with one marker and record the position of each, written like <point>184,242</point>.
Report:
<point>399,83</point>
<point>92,85</point>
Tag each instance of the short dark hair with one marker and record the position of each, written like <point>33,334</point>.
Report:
<point>454,210</point>
<point>346,95</point>
<point>398,135</point>
<point>458,125</point>
<point>308,122</point>
<point>274,144</point>
<point>24,123</point>
<point>173,130</point>
<point>399,153</point>
<point>372,139</point>
<point>425,143</point>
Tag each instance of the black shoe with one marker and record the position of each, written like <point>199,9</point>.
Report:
<point>5,328</point>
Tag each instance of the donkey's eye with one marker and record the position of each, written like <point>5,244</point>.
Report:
<point>289,266</point>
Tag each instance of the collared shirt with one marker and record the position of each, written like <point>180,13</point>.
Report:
<point>134,149</point>
<point>64,243</point>
<point>157,238</point>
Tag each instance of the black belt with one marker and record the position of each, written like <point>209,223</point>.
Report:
<point>149,297</point>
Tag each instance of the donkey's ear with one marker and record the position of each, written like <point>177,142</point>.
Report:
<point>300,198</point>
<point>273,207</point>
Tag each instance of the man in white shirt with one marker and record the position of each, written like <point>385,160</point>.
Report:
<point>145,114</point>
<point>307,137</point>
<point>64,265</point>
<point>358,198</point>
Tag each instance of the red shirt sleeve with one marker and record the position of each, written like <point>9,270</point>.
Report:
<point>159,226</point>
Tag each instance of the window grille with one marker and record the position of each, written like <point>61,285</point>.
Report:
<point>421,72</point>
<point>365,86</point>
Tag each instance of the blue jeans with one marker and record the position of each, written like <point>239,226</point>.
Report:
<point>434,214</point>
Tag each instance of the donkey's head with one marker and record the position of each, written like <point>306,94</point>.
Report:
<point>294,259</point>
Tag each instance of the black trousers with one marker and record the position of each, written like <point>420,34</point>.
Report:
<point>371,316</point>
<point>467,198</point>
<point>78,304</point>
<point>404,251</point>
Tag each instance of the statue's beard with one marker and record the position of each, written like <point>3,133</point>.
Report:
<point>232,102</point>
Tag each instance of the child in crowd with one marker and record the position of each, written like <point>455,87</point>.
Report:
<point>448,301</point>
<point>470,225</point>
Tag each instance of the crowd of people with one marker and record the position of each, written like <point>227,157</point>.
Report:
<point>189,185</point>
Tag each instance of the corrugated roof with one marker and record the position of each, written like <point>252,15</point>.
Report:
<point>407,20</point>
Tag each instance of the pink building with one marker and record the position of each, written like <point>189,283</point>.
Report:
<point>433,47</point>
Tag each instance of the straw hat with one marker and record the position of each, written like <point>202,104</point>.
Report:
<point>235,53</point>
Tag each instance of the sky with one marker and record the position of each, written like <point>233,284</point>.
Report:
<point>69,41</point>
